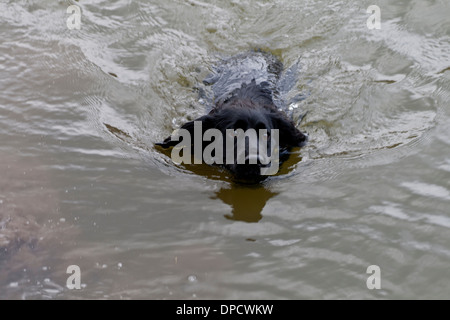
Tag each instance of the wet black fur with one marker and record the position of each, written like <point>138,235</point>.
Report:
<point>250,106</point>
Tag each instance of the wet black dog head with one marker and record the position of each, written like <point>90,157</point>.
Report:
<point>255,113</point>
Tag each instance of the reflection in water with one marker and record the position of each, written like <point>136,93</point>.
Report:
<point>247,202</point>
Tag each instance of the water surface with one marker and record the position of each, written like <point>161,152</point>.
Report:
<point>82,184</point>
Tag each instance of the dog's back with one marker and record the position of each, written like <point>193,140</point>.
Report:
<point>250,69</point>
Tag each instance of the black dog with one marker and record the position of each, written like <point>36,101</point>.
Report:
<point>243,89</point>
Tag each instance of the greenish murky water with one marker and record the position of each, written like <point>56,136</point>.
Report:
<point>82,184</point>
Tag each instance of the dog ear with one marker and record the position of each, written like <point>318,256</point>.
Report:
<point>207,123</point>
<point>290,136</point>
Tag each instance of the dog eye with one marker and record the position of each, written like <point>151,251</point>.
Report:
<point>266,136</point>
